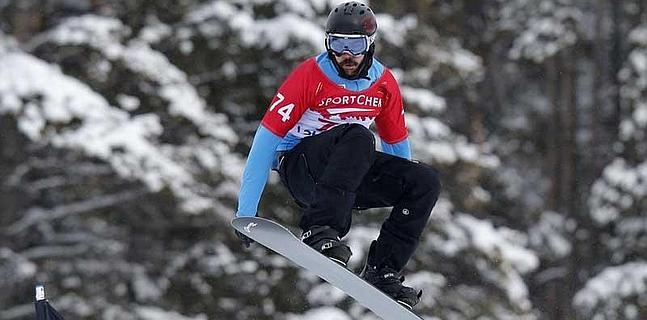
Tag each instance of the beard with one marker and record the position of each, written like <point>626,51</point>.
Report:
<point>349,66</point>
<point>348,62</point>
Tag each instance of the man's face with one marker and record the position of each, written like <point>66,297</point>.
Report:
<point>349,63</point>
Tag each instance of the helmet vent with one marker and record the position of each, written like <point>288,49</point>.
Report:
<point>350,17</point>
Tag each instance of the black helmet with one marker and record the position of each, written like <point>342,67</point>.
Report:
<point>351,18</point>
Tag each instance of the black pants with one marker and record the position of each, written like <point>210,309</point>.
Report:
<point>334,172</point>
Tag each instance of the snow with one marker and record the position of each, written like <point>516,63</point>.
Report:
<point>427,127</point>
<point>431,283</point>
<point>359,239</point>
<point>55,110</point>
<point>393,30</point>
<point>632,91</point>
<point>144,288</point>
<point>501,246</point>
<point>500,243</point>
<point>257,32</point>
<point>638,61</point>
<point>75,304</point>
<point>63,98</point>
<point>220,258</point>
<point>128,103</point>
<point>101,33</point>
<point>325,294</point>
<point>140,58</point>
<point>155,32</point>
<point>468,65</point>
<point>14,266</point>
<point>423,98</point>
<point>481,194</point>
<point>549,233</point>
<point>127,142</point>
<point>435,141</point>
<point>272,32</point>
<point>275,33</point>
<point>323,313</point>
<point>548,27</point>
<point>619,187</point>
<point>638,36</point>
<point>156,313</point>
<point>611,286</point>
<point>640,114</point>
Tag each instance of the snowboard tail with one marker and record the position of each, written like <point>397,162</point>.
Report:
<point>282,241</point>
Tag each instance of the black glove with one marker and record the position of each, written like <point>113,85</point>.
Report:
<point>247,241</point>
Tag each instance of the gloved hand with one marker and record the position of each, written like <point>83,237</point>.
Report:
<point>247,241</point>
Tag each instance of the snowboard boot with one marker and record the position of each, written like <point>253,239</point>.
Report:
<point>389,281</point>
<point>326,240</point>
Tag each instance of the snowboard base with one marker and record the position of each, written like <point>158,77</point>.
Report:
<point>282,241</point>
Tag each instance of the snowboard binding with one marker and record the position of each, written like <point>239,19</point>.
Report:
<point>389,280</point>
<point>326,240</point>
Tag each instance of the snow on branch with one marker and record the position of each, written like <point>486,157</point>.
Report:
<point>633,90</point>
<point>501,257</point>
<point>14,267</point>
<point>548,27</point>
<point>44,101</point>
<point>604,295</point>
<point>438,143</point>
<point>424,99</point>
<point>216,17</point>
<point>620,188</point>
<point>156,313</point>
<point>105,35</point>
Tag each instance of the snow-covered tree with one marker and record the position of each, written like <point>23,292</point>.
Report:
<point>124,126</point>
<point>618,204</point>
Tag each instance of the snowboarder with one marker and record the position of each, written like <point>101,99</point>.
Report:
<point>315,134</point>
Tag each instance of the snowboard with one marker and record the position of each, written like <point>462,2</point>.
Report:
<point>282,241</point>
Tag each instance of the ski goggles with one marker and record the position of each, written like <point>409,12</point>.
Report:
<point>355,44</point>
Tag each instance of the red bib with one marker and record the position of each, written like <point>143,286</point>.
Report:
<point>309,103</point>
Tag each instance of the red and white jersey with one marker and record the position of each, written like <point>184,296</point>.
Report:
<point>309,103</point>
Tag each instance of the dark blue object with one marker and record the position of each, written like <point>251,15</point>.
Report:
<point>44,311</point>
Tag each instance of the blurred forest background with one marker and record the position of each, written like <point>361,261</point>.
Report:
<point>124,128</point>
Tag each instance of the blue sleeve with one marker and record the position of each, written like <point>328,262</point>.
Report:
<point>257,170</point>
<point>401,149</point>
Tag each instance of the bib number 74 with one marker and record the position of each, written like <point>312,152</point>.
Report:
<point>283,111</point>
